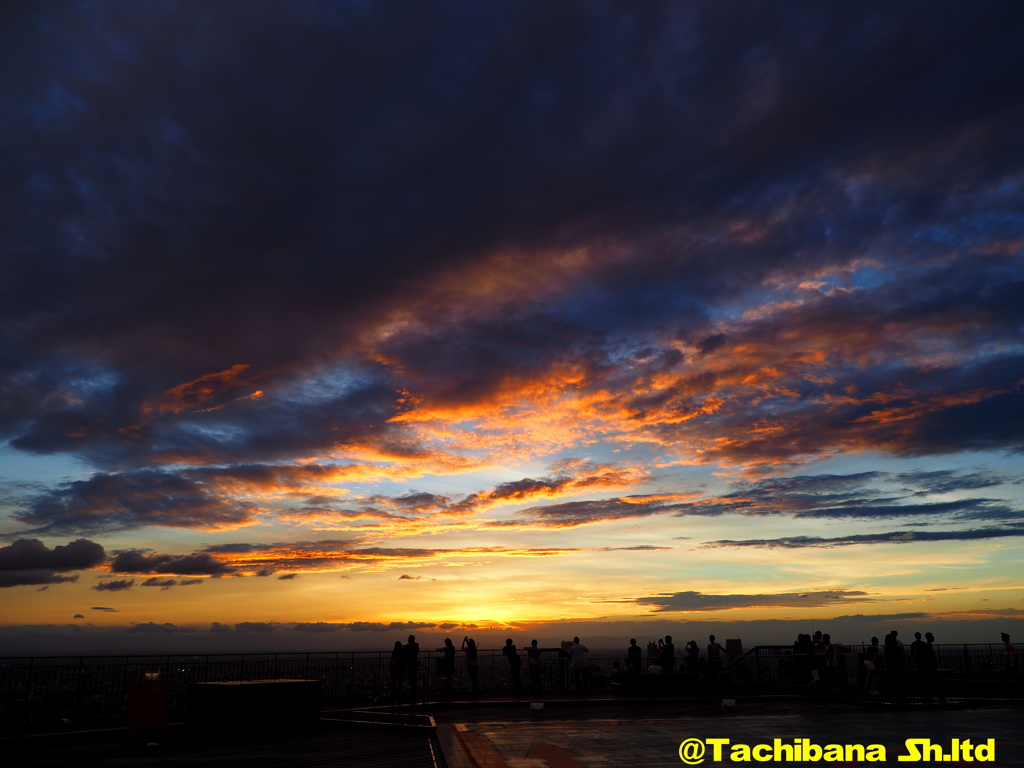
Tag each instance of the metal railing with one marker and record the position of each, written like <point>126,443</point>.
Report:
<point>778,665</point>
<point>98,688</point>
<point>46,691</point>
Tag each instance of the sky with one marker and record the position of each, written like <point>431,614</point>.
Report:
<point>325,322</point>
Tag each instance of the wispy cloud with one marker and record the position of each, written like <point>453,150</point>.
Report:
<point>695,602</point>
<point>891,537</point>
<point>117,585</point>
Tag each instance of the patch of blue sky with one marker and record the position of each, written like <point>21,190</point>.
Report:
<point>869,276</point>
<point>981,226</point>
<point>94,381</point>
<point>217,432</point>
<point>25,474</point>
<point>78,377</point>
<point>1007,223</point>
<point>328,384</point>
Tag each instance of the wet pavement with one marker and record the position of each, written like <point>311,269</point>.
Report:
<point>633,734</point>
<point>569,732</point>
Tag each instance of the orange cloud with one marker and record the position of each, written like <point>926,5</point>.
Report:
<point>309,557</point>
<point>195,393</point>
<point>919,407</point>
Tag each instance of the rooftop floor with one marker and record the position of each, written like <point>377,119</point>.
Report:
<point>570,732</point>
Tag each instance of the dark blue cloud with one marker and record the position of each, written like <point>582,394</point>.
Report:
<point>199,187</point>
<point>198,564</point>
<point>861,495</point>
<point>109,502</point>
<point>31,562</point>
<point>698,601</point>
<point>119,585</point>
<point>889,537</point>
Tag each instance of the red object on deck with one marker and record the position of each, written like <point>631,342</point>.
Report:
<point>149,707</point>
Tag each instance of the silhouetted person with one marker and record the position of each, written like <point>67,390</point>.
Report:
<point>929,664</point>
<point>917,653</point>
<point>715,651</point>
<point>533,663</point>
<point>799,661</point>
<point>818,670</point>
<point>578,662</point>
<point>472,662</point>
<point>412,663</point>
<point>807,671</point>
<point>1009,658</point>
<point>828,671</point>
<point>446,665</point>
<point>930,659</point>
<point>398,667</point>
<point>668,655</point>
<point>692,656</point>
<point>634,654</point>
<point>872,664</point>
<point>895,663</point>
<point>514,662</point>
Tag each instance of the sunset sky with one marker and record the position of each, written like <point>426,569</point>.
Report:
<point>321,322</point>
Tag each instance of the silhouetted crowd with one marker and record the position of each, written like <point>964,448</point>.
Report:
<point>815,663</point>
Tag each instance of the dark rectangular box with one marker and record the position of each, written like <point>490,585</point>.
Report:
<point>252,707</point>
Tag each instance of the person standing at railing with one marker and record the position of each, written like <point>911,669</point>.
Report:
<point>899,643</point>
<point>830,662</point>
<point>578,662</point>
<point>412,663</point>
<point>668,656</point>
<point>872,664</point>
<point>446,666</point>
<point>805,662</point>
<point>692,657</point>
<point>533,662</point>
<point>398,667</point>
<point>895,664</point>
<point>929,667</point>
<point>634,654</point>
<point>930,662</point>
<point>917,656</point>
<point>472,662</point>
<point>715,651</point>
<point>917,652</point>
<point>514,663</point>
<point>1009,658</point>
